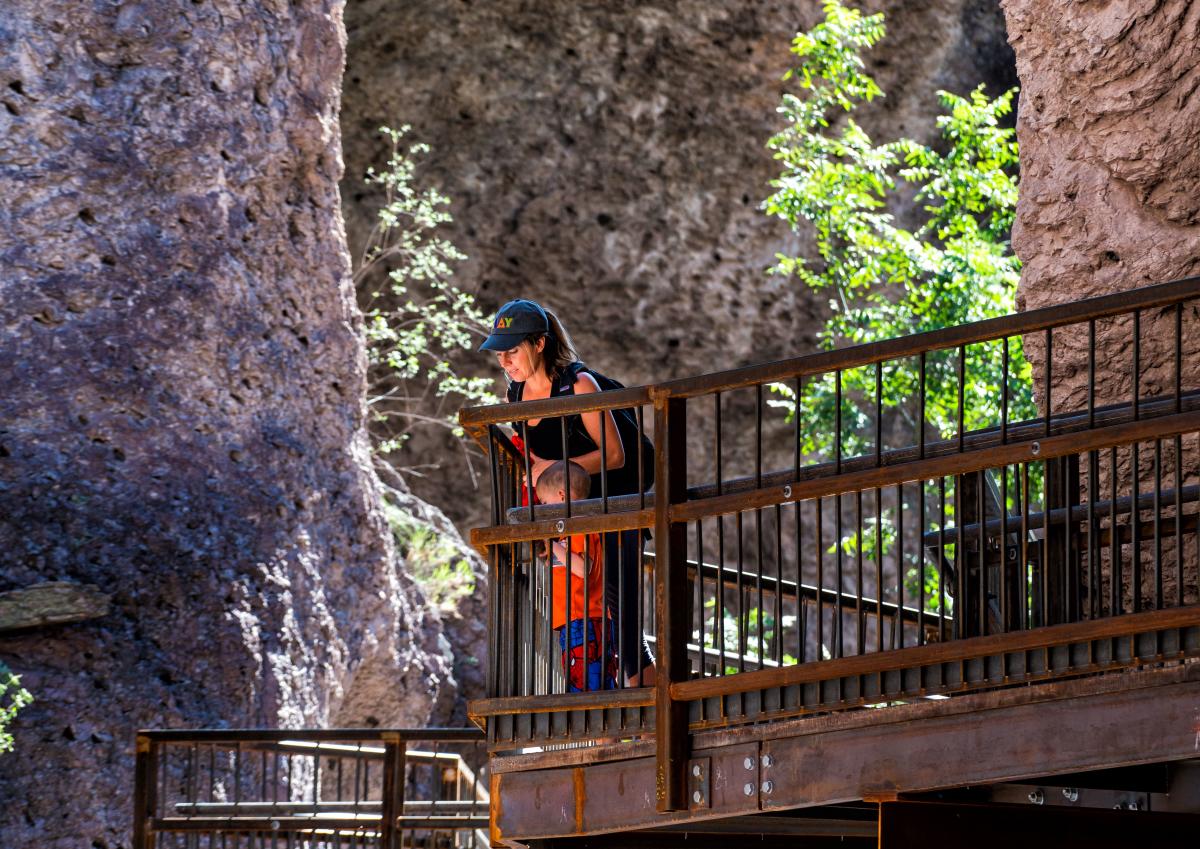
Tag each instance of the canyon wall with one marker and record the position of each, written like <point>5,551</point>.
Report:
<point>609,160</point>
<point>181,399</point>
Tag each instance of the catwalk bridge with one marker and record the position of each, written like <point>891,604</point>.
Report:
<point>940,588</point>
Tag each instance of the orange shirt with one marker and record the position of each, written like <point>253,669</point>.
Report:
<point>590,547</point>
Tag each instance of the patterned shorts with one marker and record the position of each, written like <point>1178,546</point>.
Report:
<point>598,667</point>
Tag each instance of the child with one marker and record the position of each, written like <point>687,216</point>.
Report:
<point>586,665</point>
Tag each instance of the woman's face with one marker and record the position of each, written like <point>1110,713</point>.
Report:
<point>523,361</point>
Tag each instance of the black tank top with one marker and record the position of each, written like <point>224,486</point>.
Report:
<point>545,438</point>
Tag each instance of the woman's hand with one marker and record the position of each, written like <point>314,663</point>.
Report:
<point>537,465</point>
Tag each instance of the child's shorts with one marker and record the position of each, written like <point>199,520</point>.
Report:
<point>600,668</point>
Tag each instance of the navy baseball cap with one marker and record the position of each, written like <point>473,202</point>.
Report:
<point>514,321</point>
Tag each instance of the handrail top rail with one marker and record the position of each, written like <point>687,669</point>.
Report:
<point>854,356</point>
<point>376,735</point>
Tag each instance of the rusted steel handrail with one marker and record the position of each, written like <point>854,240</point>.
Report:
<point>1080,519</point>
<point>987,330</point>
<point>310,787</point>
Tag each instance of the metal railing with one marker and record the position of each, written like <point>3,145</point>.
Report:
<point>311,789</point>
<point>879,543</point>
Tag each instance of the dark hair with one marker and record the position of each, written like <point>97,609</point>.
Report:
<point>559,351</point>
<point>555,475</point>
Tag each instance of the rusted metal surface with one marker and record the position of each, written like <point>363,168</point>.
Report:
<point>1004,744</point>
<point>975,648</point>
<point>310,789</point>
<point>910,825</point>
<point>1006,736</point>
<point>862,573</point>
<point>670,604</point>
<point>1031,321</point>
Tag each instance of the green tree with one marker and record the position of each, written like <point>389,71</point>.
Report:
<point>418,320</point>
<point>884,280</point>
<point>13,697</point>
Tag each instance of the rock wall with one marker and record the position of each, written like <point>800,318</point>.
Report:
<point>181,399</point>
<point>609,160</point>
<point>1109,130</point>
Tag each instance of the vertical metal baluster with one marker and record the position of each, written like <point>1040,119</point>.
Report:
<point>562,421</point>
<point>1024,583</point>
<point>942,560</point>
<point>1091,373</point>
<point>1094,600</point>
<point>1003,591</point>
<point>758,444</point>
<point>921,560</point>
<point>586,613</point>
<point>1004,393</point>
<point>799,435</point>
<point>1179,358</point>
<point>1049,377</point>
<point>493,464</point>
<point>1117,604</point>
<point>779,584</point>
<point>717,431</point>
<point>758,575</point>
<point>603,461</point>
<point>860,626</point>
<point>801,607</point>
<point>568,637</point>
<point>837,427</point>
<point>1135,547</point>
<point>528,627</point>
<point>1179,519</point>
<point>741,597</point>
<point>981,518</point>
<point>641,604</point>
<point>1158,575</point>
<point>1137,369</point>
<point>962,379</point>
<point>641,461</point>
<point>878,569</point>
<point>820,610</point>
<point>528,469</point>
<point>921,412</point>
<point>622,613</point>
<point>879,428</point>
<point>1043,595</point>
<point>898,629</point>
<point>700,598</point>
<point>604,609</point>
<point>837,607</point>
<point>962,606</point>
<point>548,629</point>
<point>719,613</point>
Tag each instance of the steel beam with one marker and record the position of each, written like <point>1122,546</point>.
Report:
<point>917,825</point>
<point>1007,736</point>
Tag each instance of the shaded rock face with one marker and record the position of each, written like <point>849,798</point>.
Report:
<point>181,399</point>
<point>609,160</point>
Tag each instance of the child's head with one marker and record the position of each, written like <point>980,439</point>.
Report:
<point>552,485</point>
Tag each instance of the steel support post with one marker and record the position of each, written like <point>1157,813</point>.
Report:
<point>393,790</point>
<point>670,602</point>
<point>144,792</point>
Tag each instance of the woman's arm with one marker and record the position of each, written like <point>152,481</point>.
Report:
<point>614,450</point>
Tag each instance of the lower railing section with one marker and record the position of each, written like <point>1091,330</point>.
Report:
<point>311,789</point>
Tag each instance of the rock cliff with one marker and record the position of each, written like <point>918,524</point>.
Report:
<point>181,399</point>
<point>609,159</point>
<point>1109,129</point>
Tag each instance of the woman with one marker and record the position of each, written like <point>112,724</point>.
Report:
<point>539,361</point>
